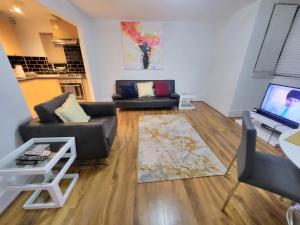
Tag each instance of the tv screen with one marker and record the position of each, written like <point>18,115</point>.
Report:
<point>283,101</point>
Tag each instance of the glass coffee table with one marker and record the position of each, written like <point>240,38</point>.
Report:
<point>45,176</point>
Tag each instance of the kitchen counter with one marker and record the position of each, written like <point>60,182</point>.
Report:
<point>48,77</point>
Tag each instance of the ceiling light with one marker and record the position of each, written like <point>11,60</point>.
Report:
<point>17,9</point>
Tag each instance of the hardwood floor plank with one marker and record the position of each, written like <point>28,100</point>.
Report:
<point>111,195</point>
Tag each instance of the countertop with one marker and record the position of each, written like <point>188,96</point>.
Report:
<point>48,77</point>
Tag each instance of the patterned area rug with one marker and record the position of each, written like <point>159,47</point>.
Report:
<point>170,148</point>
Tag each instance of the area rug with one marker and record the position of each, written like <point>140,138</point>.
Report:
<point>170,148</point>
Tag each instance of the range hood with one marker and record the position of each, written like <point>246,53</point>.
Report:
<point>62,42</point>
<point>64,33</point>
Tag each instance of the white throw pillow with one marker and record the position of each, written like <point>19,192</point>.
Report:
<point>145,89</point>
<point>71,111</point>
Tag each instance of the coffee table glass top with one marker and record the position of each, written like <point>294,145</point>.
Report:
<point>58,147</point>
<point>53,147</point>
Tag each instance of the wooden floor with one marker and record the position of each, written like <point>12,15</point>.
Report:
<point>112,196</point>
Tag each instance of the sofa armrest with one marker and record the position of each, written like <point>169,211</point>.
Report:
<point>34,128</point>
<point>86,134</point>
<point>117,97</point>
<point>174,95</point>
<point>96,109</point>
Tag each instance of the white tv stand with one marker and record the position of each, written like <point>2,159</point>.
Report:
<point>267,135</point>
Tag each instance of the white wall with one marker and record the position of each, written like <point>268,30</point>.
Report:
<point>188,53</point>
<point>28,35</point>
<point>13,112</point>
<point>186,57</point>
<point>230,49</point>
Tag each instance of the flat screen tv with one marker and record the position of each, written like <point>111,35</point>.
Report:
<point>282,103</point>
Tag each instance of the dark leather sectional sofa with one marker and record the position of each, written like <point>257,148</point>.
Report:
<point>146,102</point>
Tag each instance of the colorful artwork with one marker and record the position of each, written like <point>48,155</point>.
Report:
<point>142,45</point>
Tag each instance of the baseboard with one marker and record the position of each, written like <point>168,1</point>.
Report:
<point>236,113</point>
<point>218,108</point>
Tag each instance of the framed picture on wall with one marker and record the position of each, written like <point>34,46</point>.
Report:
<point>142,45</point>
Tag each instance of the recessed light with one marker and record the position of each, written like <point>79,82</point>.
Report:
<point>17,9</point>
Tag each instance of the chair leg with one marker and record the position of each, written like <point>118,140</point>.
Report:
<point>230,195</point>
<point>230,164</point>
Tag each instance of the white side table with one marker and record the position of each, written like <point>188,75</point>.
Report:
<point>45,175</point>
<point>185,101</point>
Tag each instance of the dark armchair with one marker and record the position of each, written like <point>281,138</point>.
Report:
<point>93,139</point>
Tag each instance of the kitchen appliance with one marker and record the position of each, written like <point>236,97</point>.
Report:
<point>19,72</point>
<point>73,86</point>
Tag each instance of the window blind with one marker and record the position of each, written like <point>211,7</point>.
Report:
<point>278,29</point>
<point>289,60</point>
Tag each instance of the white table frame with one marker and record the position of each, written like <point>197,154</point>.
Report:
<point>186,98</point>
<point>291,151</point>
<point>51,181</point>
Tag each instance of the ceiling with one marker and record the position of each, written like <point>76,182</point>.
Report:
<point>204,10</point>
<point>30,8</point>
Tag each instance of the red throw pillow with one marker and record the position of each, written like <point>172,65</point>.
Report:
<point>161,89</point>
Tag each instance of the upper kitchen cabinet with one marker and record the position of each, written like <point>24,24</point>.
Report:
<point>55,54</point>
<point>63,30</point>
<point>8,36</point>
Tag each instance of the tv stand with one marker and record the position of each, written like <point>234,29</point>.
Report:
<point>270,128</point>
<point>266,128</point>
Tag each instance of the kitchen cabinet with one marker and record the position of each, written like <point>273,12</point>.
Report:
<point>37,91</point>
<point>87,91</point>
<point>63,30</point>
<point>29,94</point>
<point>55,54</point>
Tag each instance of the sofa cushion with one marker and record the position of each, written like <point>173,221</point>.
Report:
<point>145,89</point>
<point>46,110</point>
<point>71,111</point>
<point>109,125</point>
<point>129,90</point>
<point>161,89</point>
<point>147,102</point>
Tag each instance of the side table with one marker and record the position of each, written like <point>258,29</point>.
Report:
<point>185,101</point>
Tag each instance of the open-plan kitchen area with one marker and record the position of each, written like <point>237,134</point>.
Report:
<point>44,52</point>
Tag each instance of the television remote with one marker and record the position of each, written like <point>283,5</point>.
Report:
<point>31,158</point>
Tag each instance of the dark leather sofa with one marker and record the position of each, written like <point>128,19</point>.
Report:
<point>93,139</point>
<point>146,102</point>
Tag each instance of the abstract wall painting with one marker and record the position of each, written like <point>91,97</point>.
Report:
<point>142,45</point>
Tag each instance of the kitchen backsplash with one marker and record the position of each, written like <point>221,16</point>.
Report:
<point>41,65</point>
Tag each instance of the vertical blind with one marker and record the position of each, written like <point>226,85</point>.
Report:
<point>278,29</point>
<point>289,60</point>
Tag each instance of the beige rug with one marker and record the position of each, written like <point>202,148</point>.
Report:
<point>170,148</point>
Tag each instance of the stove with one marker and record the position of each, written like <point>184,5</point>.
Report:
<point>72,75</point>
